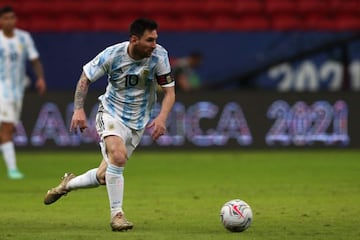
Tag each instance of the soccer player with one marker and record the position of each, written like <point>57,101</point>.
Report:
<point>133,68</point>
<point>16,47</point>
<point>185,72</point>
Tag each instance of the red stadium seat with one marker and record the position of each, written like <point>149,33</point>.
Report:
<point>247,23</point>
<point>167,23</point>
<point>285,22</point>
<point>254,23</point>
<point>70,23</point>
<point>249,7</point>
<point>347,22</point>
<point>43,24</point>
<point>345,7</point>
<point>12,3</point>
<point>74,8</point>
<point>160,8</point>
<point>222,23</point>
<point>318,22</point>
<point>23,22</point>
<point>279,6</point>
<point>103,23</point>
<point>312,7</point>
<point>216,7</point>
<point>189,7</point>
<point>125,7</point>
<point>193,23</point>
<point>38,8</point>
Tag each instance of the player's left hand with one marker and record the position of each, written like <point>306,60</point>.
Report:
<point>158,128</point>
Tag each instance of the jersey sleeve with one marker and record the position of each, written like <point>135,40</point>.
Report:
<point>98,66</point>
<point>163,71</point>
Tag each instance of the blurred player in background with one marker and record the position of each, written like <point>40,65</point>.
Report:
<point>16,47</point>
<point>184,70</point>
<point>134,69</point>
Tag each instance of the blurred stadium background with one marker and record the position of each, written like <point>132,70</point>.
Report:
<point>289,70</point>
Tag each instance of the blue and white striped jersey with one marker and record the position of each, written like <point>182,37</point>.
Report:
<point>131,90</point>
<point>14,52</point>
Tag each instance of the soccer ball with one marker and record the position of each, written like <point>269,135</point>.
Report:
<point>236,215</point>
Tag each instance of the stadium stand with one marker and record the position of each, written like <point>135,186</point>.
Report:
<point>274,7</point>
<point>188,15</point>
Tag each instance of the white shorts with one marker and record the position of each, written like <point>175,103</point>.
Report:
<point>106,125</point>
<point>10,111</point>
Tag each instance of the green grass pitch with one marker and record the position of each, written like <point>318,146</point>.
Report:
<point>178,195</point>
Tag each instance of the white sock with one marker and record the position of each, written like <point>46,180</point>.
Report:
<point>8,151</point>
<point>86,180</point>
<point>115,187</point>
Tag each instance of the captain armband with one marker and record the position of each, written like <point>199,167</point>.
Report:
<point>165,79</point>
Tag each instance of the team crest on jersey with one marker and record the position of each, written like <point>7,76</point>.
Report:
<point>20,47</point>
<point>144,74</point>
<point>111,126</point>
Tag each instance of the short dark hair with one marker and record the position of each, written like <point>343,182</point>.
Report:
<point>6,9</point>
<point>140,25</point>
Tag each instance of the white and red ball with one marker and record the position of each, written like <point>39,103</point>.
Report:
<point>236,215</point>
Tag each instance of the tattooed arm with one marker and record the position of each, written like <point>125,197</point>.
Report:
<point>79,117</point>
<point>81,91</point>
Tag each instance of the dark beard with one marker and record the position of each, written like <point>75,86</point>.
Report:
<point>140,54</point>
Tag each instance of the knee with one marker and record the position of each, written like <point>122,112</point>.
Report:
<point>6,132</point>
<point>8,128</point>
<point>118,157</point>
